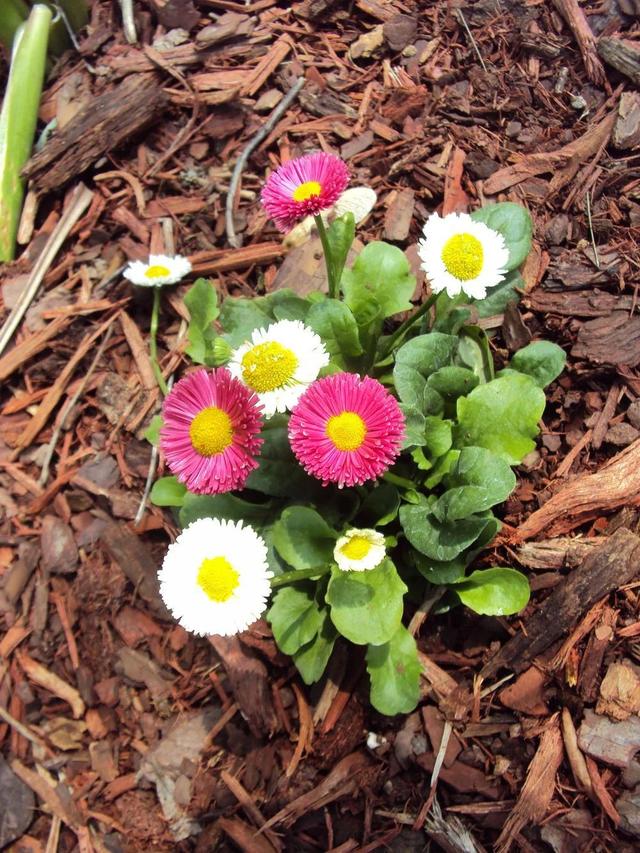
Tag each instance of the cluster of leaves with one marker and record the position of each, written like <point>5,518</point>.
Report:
<point>466,428</point>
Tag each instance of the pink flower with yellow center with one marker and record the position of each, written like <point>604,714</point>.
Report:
<point>211,423</point>
<point>346,430</point>
<point>304,187</point>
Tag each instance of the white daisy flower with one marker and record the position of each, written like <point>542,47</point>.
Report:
<point>214,578</point>
<point>359,550</point>
<point>279,363</point>
<point>161,269</point>
<point>459,254</point>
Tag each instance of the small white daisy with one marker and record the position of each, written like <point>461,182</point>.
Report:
<point>214,577</point>
<point>459,254</point>
<point>359,550</point>
<point>279,363</point>
<point>161,269</point>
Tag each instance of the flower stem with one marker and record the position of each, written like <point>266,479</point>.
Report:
<point>299,575</point>
<point>402,330</point>
<point>395,480</point>
<point>153,343</point>
<point>328,257</point>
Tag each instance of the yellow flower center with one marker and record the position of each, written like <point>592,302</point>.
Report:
<point>463,256</point>
<point>308,190</point>
<point>157,271</point>
<point>347,431</point>
<point>356,548</point>
<point>217,578</point>
<point>211,431</point>
<point>268,366</point>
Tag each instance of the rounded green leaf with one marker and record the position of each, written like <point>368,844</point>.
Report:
<point>416,361</point>
<point>226,506</point>
<point>494,592</point>
<point>294,617</point>
<point>337,327</point>
<point>279,474</point>
<point>167,491</point>
<point>502,416</point>
<point>514,223</point>
<point>202,303</point>
<point>439,540</point>
<point>303,538</point>
<point>478,481</point>
<point>380,506</point>
<point>394,670</point>
<point>543,361</point>
<point>366,607</point>
<point>312,659</point>
<point>452,382</point>
<point>498,297</point>
<point>382,271</point>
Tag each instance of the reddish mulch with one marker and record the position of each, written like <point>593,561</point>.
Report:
<point>133,734</point>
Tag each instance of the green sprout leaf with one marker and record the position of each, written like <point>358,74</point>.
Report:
<point>494,592</point>
<point>312,659</point>
<point>514,223</point>
<point>303,538</point>
<point>366,607</point>
<point>394,670</point>
<point>340,237</point>
<point>383,272</point>
<point>543,361</point>
<point>502,416</point>
<point>202,303</point>
<point>152,432</point>
<point>337,327</point>
<point>416,361</point>
<point>295,617</point>
<point>167,491</point>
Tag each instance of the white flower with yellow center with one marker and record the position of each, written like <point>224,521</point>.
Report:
<point>459,254</point>
<point>214,578</point>
<point>279,363</point>
<point>359,550</point>
<point>161,269</point>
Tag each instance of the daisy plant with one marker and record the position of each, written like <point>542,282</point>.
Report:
<point>333,468</point>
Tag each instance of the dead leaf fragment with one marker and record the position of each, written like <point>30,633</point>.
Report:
<point>620,691</point>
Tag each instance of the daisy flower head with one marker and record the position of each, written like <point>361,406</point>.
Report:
<point>214,578</point>
<point>161,269</point>
<point>459,254</point>
<point>304,187</point>
<point>346,430</point>
<point>279,363</point>
<point>210,431</point>
<point>359,550</point>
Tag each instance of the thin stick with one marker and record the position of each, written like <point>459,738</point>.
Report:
<point>62,421</point>
<point>23,730</point>
<point>80,201</point>
<point>593,239</point>
<point>128,21</point>
<point>266,128</point>
<point>462,20</point>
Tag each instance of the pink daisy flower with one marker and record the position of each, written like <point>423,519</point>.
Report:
<point>210,431</point>
<point>303,187</point>
<point>346,430</point>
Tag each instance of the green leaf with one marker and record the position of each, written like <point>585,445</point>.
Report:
<point>414,426</point>
<point>437,572</point>
<point>543,361</point>
<point>494,592</point>
<point>279,474</point>
<point>366,607</point>
<point>416,361</point>
<point>340,238</point>
<point>441,468</point>
<point>437,436</point>
<point>311,660</point>
<point>498,297</point>
<point>514,223</point>
<point>202,303</point>
<point>380,506</point>
<point>382,271</point>
<point>439,540</point>
<point>152,432</point>
<point>478,481</point>
<point>167,491</point>
<point>239,317</point>
<point>294,617</point>
<point>303,538</point>
<point>224,506</point>
<point>337,327</point>
<point>452,382</point>
<point>474,352</point>
<point>394,670</point>
<point>502,416</point>
<point>285,305</point>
